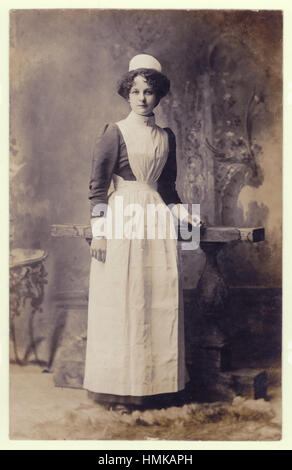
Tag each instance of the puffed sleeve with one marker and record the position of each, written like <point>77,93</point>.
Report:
<point>167,180</point>
<point>105,155</point>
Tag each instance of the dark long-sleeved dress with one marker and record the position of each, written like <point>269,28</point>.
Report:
<point>135,341</point>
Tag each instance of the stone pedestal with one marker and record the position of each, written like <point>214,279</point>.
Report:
<point>209,351</point>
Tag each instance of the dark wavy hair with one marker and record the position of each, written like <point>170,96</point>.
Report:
<point>158,82</point>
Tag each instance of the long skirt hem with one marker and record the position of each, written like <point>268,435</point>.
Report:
<point>146,401</point>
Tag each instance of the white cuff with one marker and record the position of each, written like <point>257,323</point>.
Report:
<point>98,227</point>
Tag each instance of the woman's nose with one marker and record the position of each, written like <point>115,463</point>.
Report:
<point>142,97</point>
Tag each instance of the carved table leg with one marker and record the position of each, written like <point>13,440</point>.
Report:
<point>26,284</point>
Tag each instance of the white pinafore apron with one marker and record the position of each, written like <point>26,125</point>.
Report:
<point>135,341</point>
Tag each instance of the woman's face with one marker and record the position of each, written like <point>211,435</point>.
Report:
<point>142,97</point>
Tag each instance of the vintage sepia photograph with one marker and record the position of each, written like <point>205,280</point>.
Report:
<point>145,215</point>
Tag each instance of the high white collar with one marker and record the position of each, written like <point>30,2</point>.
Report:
<point>141,120</point>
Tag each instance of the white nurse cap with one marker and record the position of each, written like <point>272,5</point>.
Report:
<point>144,61</point>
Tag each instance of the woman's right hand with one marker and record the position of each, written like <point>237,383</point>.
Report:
<point>98,249</point>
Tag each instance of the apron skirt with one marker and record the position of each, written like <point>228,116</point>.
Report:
<point>135,342</point>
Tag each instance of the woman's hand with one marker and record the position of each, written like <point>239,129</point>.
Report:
<point>197,222</point>
<point>98,249</point>
<point>193,220</point>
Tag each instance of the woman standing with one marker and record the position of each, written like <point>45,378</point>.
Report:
<point>135,345</point>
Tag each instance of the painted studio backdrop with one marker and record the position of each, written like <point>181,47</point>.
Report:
<point>225,107</point>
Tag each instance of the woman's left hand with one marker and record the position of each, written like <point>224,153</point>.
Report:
<point>192,219</point>
<point>196,221</point>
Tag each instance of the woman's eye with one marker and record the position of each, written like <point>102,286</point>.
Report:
<point>147,92</point>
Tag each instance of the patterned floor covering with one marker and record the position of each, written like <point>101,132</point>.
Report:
<point>41,411</point>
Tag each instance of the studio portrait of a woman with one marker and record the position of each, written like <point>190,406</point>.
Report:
<point>145,218</point>
<point>135,345</point>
